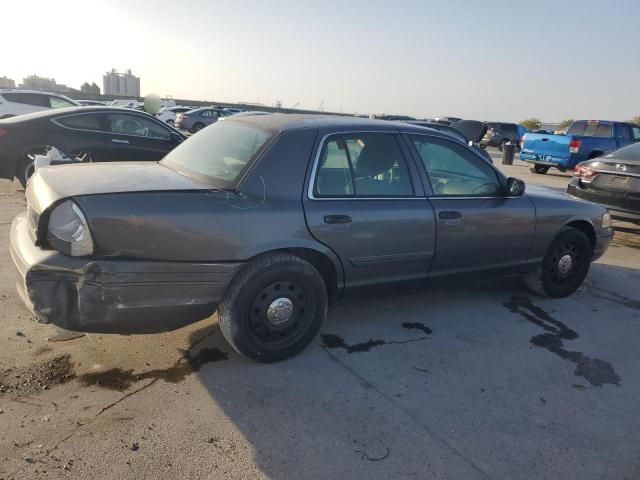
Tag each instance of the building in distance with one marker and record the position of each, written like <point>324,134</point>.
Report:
<point>125,84</point>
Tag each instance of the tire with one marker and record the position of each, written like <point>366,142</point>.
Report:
<point>539,169</point>
<point>257,331</point>
<point>551,279</point>
<point>501,144</point>
<point>197,127</point>
<point>171,122</point>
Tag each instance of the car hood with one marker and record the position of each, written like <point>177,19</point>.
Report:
<point>50,184</point>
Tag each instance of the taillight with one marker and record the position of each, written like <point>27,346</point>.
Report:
<point>586,174</point>
<point>2,132</point>
<point>574,145</point>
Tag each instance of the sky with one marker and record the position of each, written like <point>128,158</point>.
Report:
<point>487,60</point>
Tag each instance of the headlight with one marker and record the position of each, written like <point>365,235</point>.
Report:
<point>606,220</point>
<point>68,231</point>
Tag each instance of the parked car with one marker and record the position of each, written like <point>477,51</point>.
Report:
<point>584,140</point>
<point>168,115</point>
<point>246,114</point>
<point>613,180</point>
<point>91,103</point>
<point>18,102</point>
<point>467,131</point>
<point>271,218</point>
<point>499,133</point>
<point>92,134</point>
<point>195,120</point>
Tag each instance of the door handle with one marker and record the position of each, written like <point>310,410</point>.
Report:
<point>117,140</point>
<point>337,219</point>
<point>449,215</point>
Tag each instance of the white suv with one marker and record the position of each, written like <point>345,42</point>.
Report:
<point>16,102</point>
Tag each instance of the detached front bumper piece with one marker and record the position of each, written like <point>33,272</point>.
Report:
<point>114,296</point>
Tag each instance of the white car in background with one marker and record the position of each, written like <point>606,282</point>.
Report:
<point>17,102</point>
<point>168,115</point>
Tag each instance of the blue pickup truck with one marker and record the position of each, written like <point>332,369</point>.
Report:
<point>584,140</point>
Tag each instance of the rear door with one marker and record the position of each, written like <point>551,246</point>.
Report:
<point>478,226</point>
<point>133,137</point>
<point>364,202</point>
<point>84,135</point>
<point>624,134</point>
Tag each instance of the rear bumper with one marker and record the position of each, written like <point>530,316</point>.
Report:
<point>114,296</point>
<point>548,161</point>
<point>621,207</point>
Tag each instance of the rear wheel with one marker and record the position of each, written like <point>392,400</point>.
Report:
<point>502,143</point>
<point>197,127</point>
<point>539,169</point>
<point>565,265</point>
<point>171,122</point>
<point>273,308</point>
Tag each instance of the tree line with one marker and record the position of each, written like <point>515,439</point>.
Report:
<point>534,123</point>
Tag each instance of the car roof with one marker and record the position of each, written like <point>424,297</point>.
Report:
<point>288,121</point>
<point>54,112</point>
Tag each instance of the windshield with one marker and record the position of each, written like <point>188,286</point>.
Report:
<point>220,153</point>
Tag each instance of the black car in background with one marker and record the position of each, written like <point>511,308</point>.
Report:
<point>91,134</point>
<point>467,131</point>
<point>499,133</point>
<point>612,180</point>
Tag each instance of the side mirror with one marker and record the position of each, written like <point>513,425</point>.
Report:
<point>515,187</point>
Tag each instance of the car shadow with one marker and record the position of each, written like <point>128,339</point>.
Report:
<point>378,394</point>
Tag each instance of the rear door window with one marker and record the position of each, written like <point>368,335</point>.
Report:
<point>362,165</point>
<point>91,121</point>
<point>625,132</point>
<point>137,125</point>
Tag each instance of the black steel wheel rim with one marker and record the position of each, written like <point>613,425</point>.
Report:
<point>276,335</point>
<point>561,272</point>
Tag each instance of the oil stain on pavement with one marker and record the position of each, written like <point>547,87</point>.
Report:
<point>120,379</point>
<point>597,372</point>
<point>331,340</point>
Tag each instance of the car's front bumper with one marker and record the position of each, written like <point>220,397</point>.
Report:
<point>114,296</point>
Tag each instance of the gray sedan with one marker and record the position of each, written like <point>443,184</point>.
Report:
<point>195,120</point>
<point>270,219</point>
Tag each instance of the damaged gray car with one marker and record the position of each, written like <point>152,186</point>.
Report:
<point>270,219</point>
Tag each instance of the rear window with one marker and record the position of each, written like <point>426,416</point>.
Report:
<point>591,129</point>
<point>220,153</point>
<point>630,154</point>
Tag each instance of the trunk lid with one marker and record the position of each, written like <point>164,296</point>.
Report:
<point>50,184</point>
<point>543,145</point>
<point>615,177</point>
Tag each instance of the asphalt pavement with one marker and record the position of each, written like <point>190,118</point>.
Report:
<point>472,380</point>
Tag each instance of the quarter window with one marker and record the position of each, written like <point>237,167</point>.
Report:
<point>362,165</point>
<point>453,171</point>
<point>136,125</point>
<point>636,133</point>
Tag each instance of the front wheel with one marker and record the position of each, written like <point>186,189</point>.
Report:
<point>273,308</point>
<point>564,267</point>
<point>26,166</point>
<point>539,169</point>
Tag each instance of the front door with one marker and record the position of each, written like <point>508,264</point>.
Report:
<point>364,202</point>
<point>135,138</point>
<point>479,227</point>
